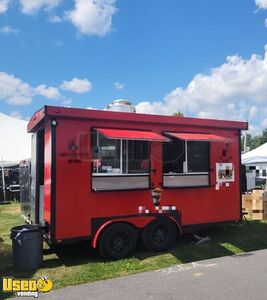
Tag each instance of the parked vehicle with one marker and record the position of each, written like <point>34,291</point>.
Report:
<point>112,177</point>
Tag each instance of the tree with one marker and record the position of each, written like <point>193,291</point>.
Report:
<point>255,141</point>
<point>178,114</point>
<point>263,138</point>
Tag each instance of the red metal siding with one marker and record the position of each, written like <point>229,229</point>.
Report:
<point>99,115</point>
<point>76,204</point>
<point>72,179</point>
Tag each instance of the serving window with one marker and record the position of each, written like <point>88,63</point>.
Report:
<point>185,157</point>
<point>106,155</point>
<point>186,163</point>
<point>186,160</point>
<point>198,156</point>
<point>121,158</point>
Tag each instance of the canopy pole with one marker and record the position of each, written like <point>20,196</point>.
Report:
<point>3,181</point>
<point>245,142</point>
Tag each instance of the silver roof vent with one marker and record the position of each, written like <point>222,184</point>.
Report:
<point>121,105</point>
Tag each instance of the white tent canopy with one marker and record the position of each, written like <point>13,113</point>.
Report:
<point>15,142</point>
<point>256,156</point>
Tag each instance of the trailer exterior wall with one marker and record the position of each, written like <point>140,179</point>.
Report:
<point>77,204</point>
<point>70,210</point>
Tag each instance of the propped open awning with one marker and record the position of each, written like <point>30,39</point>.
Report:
<point>204,137</point>
<point>132,135</point>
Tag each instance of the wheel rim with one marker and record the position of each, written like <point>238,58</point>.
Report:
<point>118,243</point>
<point>160,234</point>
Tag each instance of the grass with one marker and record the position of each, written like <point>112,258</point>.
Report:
<point>79,263</point>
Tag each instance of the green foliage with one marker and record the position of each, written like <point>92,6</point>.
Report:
<point>255,141</point>
<point>264,136</point>
<point>79,263</point>
<point>178,114</point>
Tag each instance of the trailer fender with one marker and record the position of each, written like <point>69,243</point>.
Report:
<point>136,221</point>
<point>94,242</point>
<point>139,222</point>
<point>178,225</point>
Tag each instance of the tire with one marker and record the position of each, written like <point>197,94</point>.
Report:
<point>117,241</point>
<point>159,235</point>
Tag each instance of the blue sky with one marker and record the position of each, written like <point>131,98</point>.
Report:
<point>205,58</point>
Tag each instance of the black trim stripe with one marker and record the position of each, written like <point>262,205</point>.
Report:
<point>53,182</point>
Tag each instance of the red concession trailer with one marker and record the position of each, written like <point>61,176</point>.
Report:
<point>112,177</point>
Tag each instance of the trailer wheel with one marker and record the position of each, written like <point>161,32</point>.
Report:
<point>117,241</point>
<point>159,235</point>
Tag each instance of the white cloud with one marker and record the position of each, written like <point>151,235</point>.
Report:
<point>4,5</point>
<point>264,123</point>
<point>77,85</point>
<point>16,114</point>
<point>118,85</point>
<point>92,17</point>
<point>261,4</point>
<point>235,90</point>
<point>66,102</point>
<point>55,19</point>
<point>48,92</point>
<point>19,100</point>
<point>255,129</point>
<point>253,111</point>
<point>9,30</point>
<point>34,6</point>
<point>16,92</point>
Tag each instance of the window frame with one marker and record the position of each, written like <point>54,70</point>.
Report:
<point>192,174</point>
<point>186,163</point>
<point>121,158</point>
<point>119,175</point>
<point>186,158</point>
